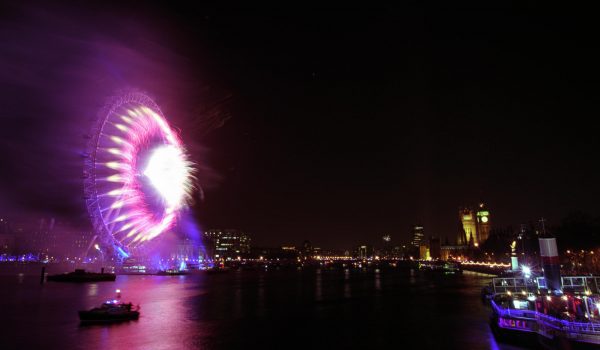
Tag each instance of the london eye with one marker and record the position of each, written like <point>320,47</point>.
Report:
<point>137,174</point>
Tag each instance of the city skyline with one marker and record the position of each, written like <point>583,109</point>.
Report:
<point>187,176</point>
<point>324,124</point>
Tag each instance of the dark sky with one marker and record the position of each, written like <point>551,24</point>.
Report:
<point>347,124</point>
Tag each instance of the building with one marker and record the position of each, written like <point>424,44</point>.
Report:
<point>80,242</point>
<point>418,235</point>
<point>475,225</point>
<point>288,252</point>
<point>468,236</point>
<point>483,223</point>
<point>424,253</point>
<point>435,248</point>
<point>453,252</point>
<point>364,252</point>
<point>223,244</point>
<point>44,239</point>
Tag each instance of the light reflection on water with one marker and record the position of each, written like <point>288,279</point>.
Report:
<point>93,289</point>
<point>324,308</point>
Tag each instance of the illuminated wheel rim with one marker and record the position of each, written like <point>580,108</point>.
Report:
<point>137,173</point>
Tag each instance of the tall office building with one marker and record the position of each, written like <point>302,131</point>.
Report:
<point>418,235</point>
<point>222,244</point>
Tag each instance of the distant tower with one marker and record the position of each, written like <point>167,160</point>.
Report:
<point>418,235</point>
<point>483,223</point>
<point>307,249</point>
<point>387,250</point>
<point>469,225</point>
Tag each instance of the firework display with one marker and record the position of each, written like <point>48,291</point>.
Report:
<point>137,174</point>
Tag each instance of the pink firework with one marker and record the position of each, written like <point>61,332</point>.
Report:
<point>138,176</point>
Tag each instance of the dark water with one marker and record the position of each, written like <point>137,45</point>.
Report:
<point>254,309</point>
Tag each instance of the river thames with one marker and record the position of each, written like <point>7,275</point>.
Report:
<point>255,309</point>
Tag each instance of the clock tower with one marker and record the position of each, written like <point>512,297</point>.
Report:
<point>469,226</point>
<point>483,223</point>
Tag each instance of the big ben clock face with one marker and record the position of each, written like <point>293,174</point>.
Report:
<point>484,219</point>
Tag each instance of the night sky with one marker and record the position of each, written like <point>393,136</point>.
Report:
<point>339,125</point>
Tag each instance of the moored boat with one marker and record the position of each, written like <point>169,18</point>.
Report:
<point>172,272</point>
<point>80,275</point>
<point>557,311</point>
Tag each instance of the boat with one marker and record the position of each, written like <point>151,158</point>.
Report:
<point>172,272</point>
<point>111,311</point>
<point>552,310</point>
<point>135,266</point>
<point>80,275</point>
<point>440,267</point>
<point>520,307</point>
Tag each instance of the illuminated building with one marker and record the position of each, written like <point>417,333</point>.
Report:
<point>483,223</point>
<point>80,243</point>
<point>451,252</point>
<point>424,252</point>
<point>222,244</point>
<point>364,252</point>
<point>418,235</point>
<point>475,225</point>
<point>468,235</point>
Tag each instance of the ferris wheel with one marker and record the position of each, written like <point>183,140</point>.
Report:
<point>137,174</point>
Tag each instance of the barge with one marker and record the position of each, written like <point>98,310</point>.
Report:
<point>82,276</point>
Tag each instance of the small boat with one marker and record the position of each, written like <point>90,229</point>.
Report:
<point>172,272</point>
<point>111,311</point>
<point>80,275</point>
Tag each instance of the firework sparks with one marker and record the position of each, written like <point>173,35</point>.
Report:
<point>141,175</point>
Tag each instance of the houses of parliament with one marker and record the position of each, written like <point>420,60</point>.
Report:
<point>475,226</point>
